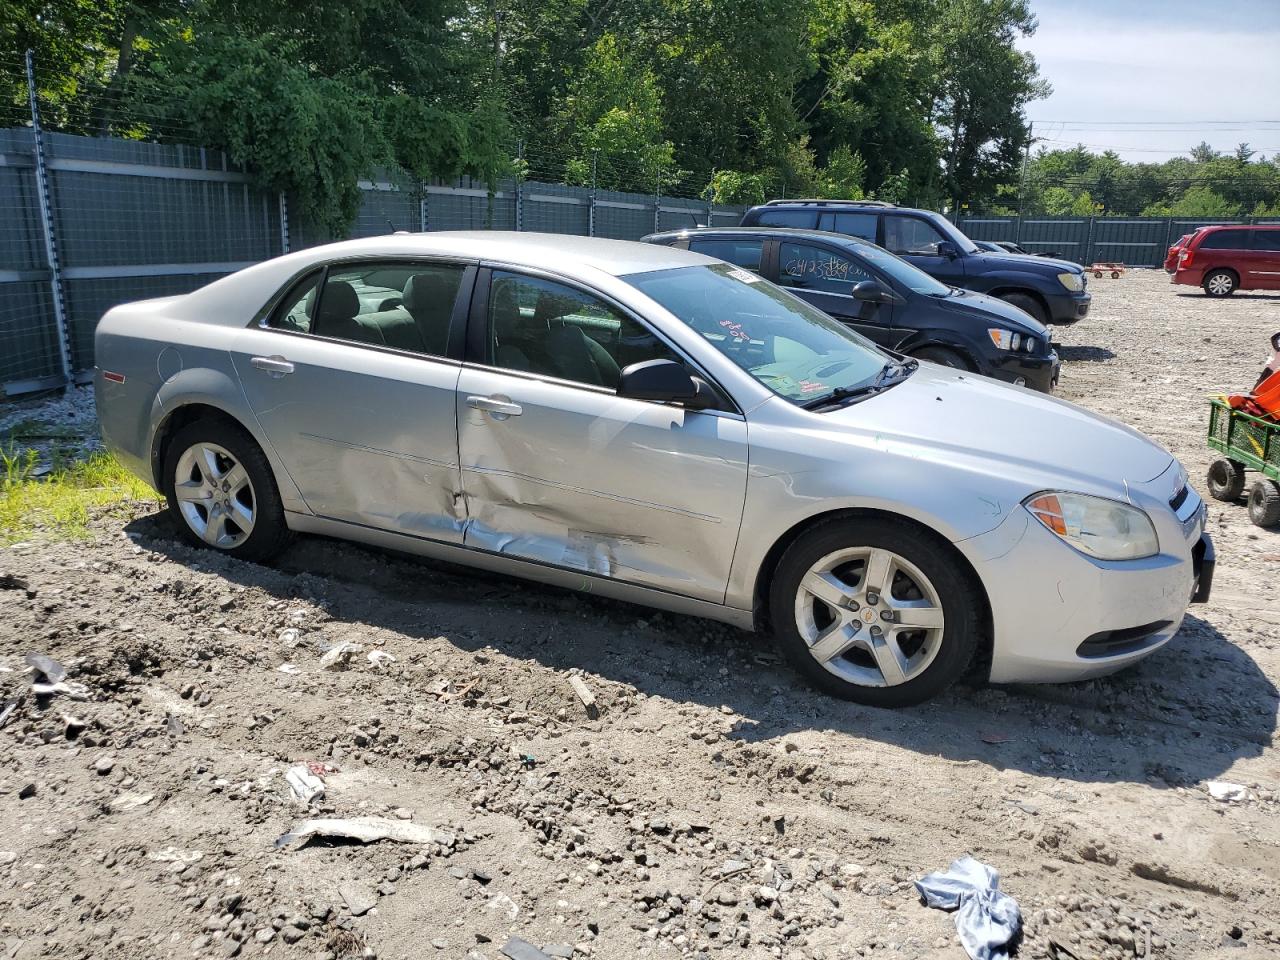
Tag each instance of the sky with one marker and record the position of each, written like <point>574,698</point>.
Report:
<point>1152,78</point>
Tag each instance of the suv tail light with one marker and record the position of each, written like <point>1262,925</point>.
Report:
<point>1184,258</point>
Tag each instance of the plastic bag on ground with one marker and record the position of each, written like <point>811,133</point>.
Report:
<point>987,920</point>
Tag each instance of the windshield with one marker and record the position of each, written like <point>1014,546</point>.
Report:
<point>952,232</point>
<point>792,348</point>
<point>909,276</point>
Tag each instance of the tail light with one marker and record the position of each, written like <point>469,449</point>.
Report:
<point>1184,258</point>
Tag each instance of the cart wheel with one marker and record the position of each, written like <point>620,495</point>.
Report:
<point>1226,480</point>
<point>1115,274</point>
<point>1098,274</point>
<point>1264,503</point>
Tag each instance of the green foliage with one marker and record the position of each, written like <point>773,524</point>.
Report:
<point>1199,202</point>
<point>734,186</point>
<point>62,503</point>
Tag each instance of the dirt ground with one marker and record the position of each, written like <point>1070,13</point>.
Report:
<point>711,805</point>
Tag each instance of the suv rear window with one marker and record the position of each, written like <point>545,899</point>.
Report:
<point>852,224</point>
<point>1226,240</point>
<point>1268,240</point>
<point>788,218</point>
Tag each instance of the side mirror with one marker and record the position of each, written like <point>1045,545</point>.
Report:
<point>948,249</point>
<point>868,291</point>
<point>664,381</point>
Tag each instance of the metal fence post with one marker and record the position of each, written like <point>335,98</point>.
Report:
<point>423,208</point>
<point>1088,243</point>
<point>657,205</point>
<point>46,221</point>
<point>284,223</point>
<point>591,209</point>
<point>711,212</point>
<point>519,187</point>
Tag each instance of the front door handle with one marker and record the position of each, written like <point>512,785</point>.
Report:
<point>276,365</point>
<point>500,408</point>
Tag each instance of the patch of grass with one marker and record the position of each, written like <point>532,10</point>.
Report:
<point>59,503</point>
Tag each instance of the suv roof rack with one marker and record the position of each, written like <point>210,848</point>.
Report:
<point>852,203</point>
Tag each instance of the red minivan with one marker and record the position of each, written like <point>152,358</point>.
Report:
<point>1223,260</point>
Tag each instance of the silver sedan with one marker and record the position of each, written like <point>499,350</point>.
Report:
<point>651,424</point>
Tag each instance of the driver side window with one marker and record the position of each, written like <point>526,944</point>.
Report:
<point>912,236</point>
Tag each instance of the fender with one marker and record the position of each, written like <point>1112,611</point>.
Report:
<point>213,388</point>
<point>1012,281</point>
<point>918,339</point>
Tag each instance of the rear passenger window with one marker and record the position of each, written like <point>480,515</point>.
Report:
<point>743,252</point>
<point>788,218</point>
<point>853,224</point>
<point>1268,240</point>
<point>1226,240</point>
<point>813,268</point>
<point>405,306</point>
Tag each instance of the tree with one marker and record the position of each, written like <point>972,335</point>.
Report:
<point>1203,153</point>
<point>1243,153</point>
<point>983,84</point>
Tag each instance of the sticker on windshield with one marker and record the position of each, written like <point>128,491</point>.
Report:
<point>746,276</point>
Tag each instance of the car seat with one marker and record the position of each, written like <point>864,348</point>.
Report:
<point>429,298</point>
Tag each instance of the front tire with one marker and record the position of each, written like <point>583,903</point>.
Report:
<point>1264,503</point>
<point>1225,480</point>
<point>875,611</point>
<point>1220,283</point>
<point>1028,304</point>
<point>943,356</point>
<point>221,492</point>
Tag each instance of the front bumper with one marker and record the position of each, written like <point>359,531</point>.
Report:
<point>1038,373</point>
<point>1058,615</point>
<point>1065,308</point>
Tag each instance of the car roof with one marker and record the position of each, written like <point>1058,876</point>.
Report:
<point>808,232</point>
<point>616,257</point>
<point>870,206</point>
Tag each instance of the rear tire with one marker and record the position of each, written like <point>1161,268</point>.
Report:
<point>943,356</point>
<point>1264,503</point>
<point>1225,480</point>
<point>1220,283</point>
<point>846,596</point>
<point>1028,304</point>
<point>221,491</point>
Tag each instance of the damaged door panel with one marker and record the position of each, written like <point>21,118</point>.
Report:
<point>369,435</point>
<point>581,478</point>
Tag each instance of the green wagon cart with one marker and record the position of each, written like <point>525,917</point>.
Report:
<point>1245,442</point>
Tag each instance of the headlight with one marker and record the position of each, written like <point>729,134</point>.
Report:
<point>1106,529</point>
<point>1072,281</point>
<point>1005,339</point>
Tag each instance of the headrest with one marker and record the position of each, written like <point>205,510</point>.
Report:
<point>553,306</point>
<point>424,291</point>
<point>338,302</point>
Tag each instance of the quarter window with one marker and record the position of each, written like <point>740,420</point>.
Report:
<point>405,306</point>
<point>787,218</point>
<point>853,224</point>
<point>807,267</point>
<point>743,252</point>
<point>552,329</point>
<point>911,236</point>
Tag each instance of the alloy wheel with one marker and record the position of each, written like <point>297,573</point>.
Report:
<point>1220,284</point>
<point>869,616</point>
<point>215,495</point>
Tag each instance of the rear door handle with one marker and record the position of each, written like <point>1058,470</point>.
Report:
<point>501,409</point>
<point>276,365</point>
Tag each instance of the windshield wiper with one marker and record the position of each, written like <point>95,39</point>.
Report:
<point>881,382</point>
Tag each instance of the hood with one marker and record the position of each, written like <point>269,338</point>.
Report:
<point>991,309</point>
<point>1027,263</point>
<point>1020,434</point>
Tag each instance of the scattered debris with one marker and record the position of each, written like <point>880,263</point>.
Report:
<point>518,949</point>
<point>7,708</point>
<point>585,695</point>
<point>986,919</point>
<point>131,801</point>
<point>995,739</point>
<point>339,656</point>
<point>380,658</point>
<point>306,785</point>
<point>1228,792</point>
<point>360,896</point>
<point>50,669</point>
<point>367,830</point>
<point>288,668</point>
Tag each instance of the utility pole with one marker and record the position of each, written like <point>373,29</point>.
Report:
<point>1022,180</point>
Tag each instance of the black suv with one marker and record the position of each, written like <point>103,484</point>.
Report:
<point>887,300</point>
<point>1052,291</point>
